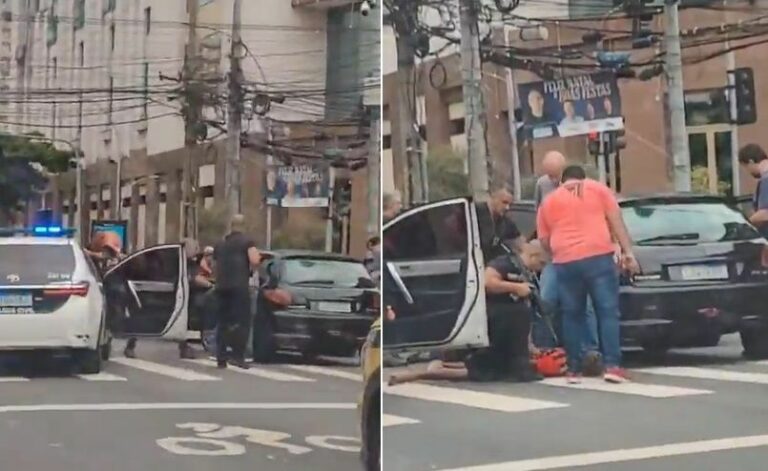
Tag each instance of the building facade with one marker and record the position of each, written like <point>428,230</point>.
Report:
<point>106,76</point>
<point>644,166</point>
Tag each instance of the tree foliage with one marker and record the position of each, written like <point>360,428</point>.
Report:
<point>25,163</point>
<point>447,178</point>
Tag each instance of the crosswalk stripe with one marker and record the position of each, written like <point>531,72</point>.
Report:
<point>630,388</point>
<point>260,372</point>
<point>470,398</point>
<point>388,420</point>
<point>102,377</point>
<point>171,371</point>
<point>709,373</point>
<point>326,371</point>
<point>13,379</point>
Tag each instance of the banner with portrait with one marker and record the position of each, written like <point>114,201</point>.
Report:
<point>571,106</point>
<point>298,186</point>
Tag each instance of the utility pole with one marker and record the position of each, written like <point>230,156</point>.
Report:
<point>404,24</point>
<point>681,162</point>
<point>730,59</point>
<point>474,119</point>
<point>374,177</point>
<point>191,120</point>
<point>512,123</point>
<point>234,121</point>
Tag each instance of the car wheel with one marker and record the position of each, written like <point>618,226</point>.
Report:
<point>106,349</point>
<point>89,361</point>
<point>755,342</point>
<point>264,346</point>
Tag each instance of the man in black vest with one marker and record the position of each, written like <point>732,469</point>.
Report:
<point>493,223</point>
<point>236,256</point>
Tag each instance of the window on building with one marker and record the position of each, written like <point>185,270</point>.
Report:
<point>79,20</point>
<point>52,33</point>
<point>112,32</point>
<point>109,6</point>
<point>148,20</point>
<point>145,84</point>
<point>110,104</point>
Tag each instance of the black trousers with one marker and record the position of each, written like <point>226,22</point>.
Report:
<point>509,325</point>
<point>234,322</point>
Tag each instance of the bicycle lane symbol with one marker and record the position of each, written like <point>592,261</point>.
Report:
<point>217,440</point>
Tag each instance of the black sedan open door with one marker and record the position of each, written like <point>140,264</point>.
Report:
<point>148,293</point>
<point>433,278</point>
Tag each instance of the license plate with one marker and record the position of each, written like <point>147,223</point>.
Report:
<point>329,306</point>
<point>15,300</point>
<point>704,272</point>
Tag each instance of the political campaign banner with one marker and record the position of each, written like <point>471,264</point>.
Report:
<point>571,106</point>
<point>114,233</point>
<point>298,186</point>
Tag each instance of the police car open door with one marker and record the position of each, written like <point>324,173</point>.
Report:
<point>433,278</point>
<point>148,293</point>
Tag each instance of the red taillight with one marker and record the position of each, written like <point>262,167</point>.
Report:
<point>278,297</point>
<point>74,290</point>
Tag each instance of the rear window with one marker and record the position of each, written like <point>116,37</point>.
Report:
<point>35,264</point>
<point>658,224</point>
<point>309,271</point>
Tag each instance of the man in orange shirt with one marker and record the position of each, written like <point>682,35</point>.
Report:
<point>577,224</point>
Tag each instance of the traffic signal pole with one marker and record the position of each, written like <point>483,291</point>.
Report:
<point>678,135</point>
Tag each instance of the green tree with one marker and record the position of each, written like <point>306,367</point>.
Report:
<point>445,169</point>
<point>24,164</point>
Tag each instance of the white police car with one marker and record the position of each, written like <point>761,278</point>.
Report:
<point>52,298</point>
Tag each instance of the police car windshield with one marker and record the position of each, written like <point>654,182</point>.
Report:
<point>24,264</point>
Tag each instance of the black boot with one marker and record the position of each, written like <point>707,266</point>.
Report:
<point>522,372</point>
<point>130,348</point>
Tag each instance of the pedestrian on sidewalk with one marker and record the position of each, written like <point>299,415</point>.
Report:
<point>553,165</point>
<point>755,160</point>
<point>577,223</point>
<point>235,257</point>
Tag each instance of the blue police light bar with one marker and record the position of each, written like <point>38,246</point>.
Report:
<point>39,231</point>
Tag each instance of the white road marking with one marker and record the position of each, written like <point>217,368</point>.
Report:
<point>327,442</point>
<point>177,446</point>
<point>179,406</point>
<point>619,456</point>
<point>102,377</point>
<point>469,398</point>
<point>13,379</point>
<point>631,388</point>
<point>388,420</point>
<point>165,370</point>
<point>709,373</point>
<point>255,371</point>
<point>320,370</point>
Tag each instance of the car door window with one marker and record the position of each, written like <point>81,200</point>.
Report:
<point>427,255</point>
<point>144,290</point>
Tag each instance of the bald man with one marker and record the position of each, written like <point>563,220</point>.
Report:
<point>553,165</point>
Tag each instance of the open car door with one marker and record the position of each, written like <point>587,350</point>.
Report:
<point>148,292</point>
<point>433,278</point>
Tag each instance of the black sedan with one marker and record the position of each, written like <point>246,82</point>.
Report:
<point>704,274</point>
<point>314,303</point>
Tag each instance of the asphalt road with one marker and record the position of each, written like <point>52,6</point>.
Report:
<point>161,412</point>
<point>701,410</point>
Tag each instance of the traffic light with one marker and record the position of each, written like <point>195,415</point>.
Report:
<point>642,34</point>
<point>746,106</point>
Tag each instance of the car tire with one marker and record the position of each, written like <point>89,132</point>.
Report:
<point>263,343</point>
<point>89,361</point>
<point>106,350</point>
<point>755,342</point>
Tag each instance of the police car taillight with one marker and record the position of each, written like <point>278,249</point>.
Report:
<point>80,289</point>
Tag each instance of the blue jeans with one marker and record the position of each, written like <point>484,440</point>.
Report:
<point>542,337</point>
<point>594,277</point>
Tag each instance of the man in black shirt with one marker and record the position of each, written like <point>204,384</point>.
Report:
<point>236,256</point>
<point>493,223</point>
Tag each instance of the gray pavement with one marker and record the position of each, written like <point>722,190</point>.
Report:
<point>165,413</point>
<point>690,404</point>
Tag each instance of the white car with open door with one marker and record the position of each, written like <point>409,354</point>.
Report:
<point>148,293</point>
<point>433,278</point>
<point>51,301</point>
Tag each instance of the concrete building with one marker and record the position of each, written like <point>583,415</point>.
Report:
<point>644,164</point>
<point>104,75</point>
